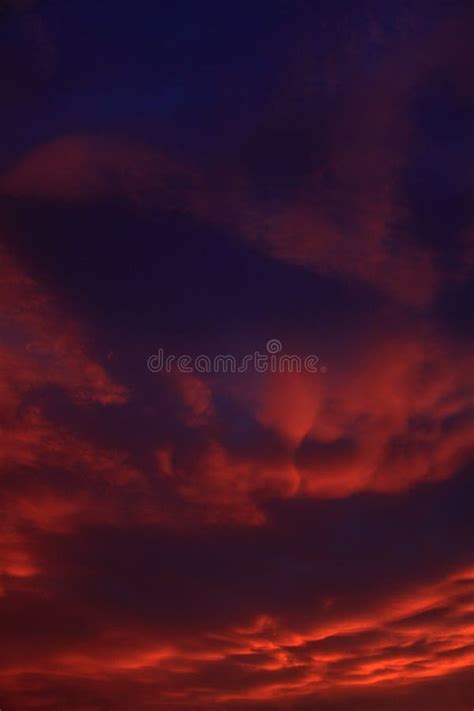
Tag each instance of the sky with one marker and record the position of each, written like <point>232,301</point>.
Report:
<point>199,178</point>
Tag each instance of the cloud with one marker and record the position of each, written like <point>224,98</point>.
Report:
<point>404,637</point>
<point>41,348</point>
<point>50,474</point>
<point>94,168</point>
<point>248,541</point>
<point>324,187</point>
<point>399,416</point>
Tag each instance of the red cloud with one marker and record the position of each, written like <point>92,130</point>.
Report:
<point>89,168</point>
<point>41,349</point>
<point>349,218</point>
<point>400,415</point>
<point>206,549</point>
<point>422,632</point>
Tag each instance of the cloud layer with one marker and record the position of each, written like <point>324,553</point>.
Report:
<point>236,541</point>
